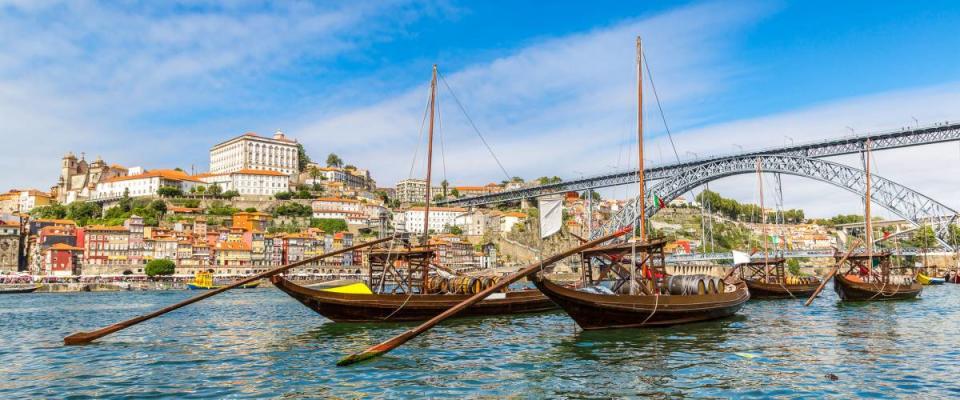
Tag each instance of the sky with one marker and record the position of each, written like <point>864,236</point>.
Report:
<point>550,86</point>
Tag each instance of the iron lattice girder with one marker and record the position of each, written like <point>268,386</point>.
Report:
<point>880,141</point>
<point>901,200</point>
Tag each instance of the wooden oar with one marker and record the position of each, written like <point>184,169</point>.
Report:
<point>87,337</point>
<point>402,338</point>
<point>830,275</point>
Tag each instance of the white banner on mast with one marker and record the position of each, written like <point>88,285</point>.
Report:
<point>740,257</point>
<point>551,215</point>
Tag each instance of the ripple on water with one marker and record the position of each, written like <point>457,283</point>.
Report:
<point>260,343</point>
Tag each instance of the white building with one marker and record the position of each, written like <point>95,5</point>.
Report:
<point>414,190</point>
<point>250,151</point>
<point>355,212</point>
<point>509,219</point>
<point>145,184</point>
<point>472,223</point>
<point>249,182</point>
<point>351,178</point>
<point>440,218</point>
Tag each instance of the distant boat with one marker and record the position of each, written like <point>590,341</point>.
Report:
<point>205,281</point>
<point>12,289</point>
<point>929,280</point>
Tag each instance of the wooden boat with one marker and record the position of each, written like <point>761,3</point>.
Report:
<point>205,281</point>
<point>400,277</point>
<point>392,307</point>
<point>869,276</point>
<point>770,281</point>
<point>15,289</point>
<point>859,283</point>
<point>660,304</point>
<point>929,280</point>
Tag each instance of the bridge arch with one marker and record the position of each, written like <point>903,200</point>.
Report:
<point>906,203</point>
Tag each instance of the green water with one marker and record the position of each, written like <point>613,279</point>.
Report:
<point>260,343</point>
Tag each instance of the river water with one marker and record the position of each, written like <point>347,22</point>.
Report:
<point>260,343</point>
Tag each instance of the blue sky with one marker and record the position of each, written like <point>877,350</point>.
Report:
<point>550,85</point>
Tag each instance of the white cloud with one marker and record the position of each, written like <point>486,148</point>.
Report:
<point>931,170</point>
<point>558,106</point>
<point>130,83</point>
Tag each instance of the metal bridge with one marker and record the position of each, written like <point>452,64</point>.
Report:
<point>938,133</point>
<point>817,253</point>
<point>906,203</point>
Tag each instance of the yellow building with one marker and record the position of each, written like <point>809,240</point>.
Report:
<point>251,221</point>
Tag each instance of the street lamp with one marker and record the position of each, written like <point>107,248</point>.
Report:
<point>788,138</point>
<point>695,155</point>
<point>915,121</point>
<point>738,146</point>
<point>852,132</point>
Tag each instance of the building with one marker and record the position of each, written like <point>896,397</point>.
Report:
<point>28,199</point>
<point>134,225</point>
<point>9,247</point>
<point>473,223</point>
<point>232,254</point>
<point>352,211</point>
<point>249,182</point>
<point>251,151</point>
<point>414,190</point>
<point>509,219</point>
<point>62,260</point>
<point>454,253</point>
<point>105,246</point>
<point>145,184</point>
<point>350,177</point>
<point>470,191</point>
<point>440,218</point>
<point>78,179</point>
<point>251,221</point>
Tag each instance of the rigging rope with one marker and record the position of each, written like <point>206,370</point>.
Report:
<point>416,151</point>
<point>473,125</point>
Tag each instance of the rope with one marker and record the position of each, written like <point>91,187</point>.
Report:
<point>473,125</point>
<point>416,151</point>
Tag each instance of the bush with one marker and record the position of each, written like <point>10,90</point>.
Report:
<point>159,267</point>
<point>283,196</point>
<point>293,210</point>
<point>169,191</point>
<point>329,225</point>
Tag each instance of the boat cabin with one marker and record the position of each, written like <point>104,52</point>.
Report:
<point>399,270</point>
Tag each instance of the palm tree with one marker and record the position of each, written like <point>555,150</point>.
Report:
<point>334,160</point>
<point>443,187</point>
<point>314,172</point>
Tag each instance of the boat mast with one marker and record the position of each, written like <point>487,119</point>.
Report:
<point>763,224</point>
<point>867,223</point>
<point>426,207</point>
<point>640,176</point>
<point>641,198</point>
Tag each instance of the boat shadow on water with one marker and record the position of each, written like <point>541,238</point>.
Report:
<point>648,342</point>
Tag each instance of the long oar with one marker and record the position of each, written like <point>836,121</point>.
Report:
<point>830,275</point>
<point>87,337</point>
<point>402,338</point>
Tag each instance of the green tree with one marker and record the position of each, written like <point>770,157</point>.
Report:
<point>454,192</point>
<point>456,230</point>
<point>282,195</point>
<point>329,225</point>
<point>314,172</point>
<point>159,206</point>
<point>443,187</point>
<point>230,194</point>
<point>82,212</point>
<point>200,190</point>
<point>293,210</point>
<point>53,211</point>
<point>169,191</point>
<point>302,158</point>
<point>215,190</point>
<point>334,160</point>
<point>250,209</point>
<point>793,266</point>
<point>159,267</point>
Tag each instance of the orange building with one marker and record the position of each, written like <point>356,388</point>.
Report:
<point>251,221</point>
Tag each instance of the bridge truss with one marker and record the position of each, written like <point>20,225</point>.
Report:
<point>908,204</point>
<point>938,133</point>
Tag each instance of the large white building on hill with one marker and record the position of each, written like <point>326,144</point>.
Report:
<point>253,152</point>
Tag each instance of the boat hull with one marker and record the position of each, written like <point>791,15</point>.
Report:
<point>16,290</point>
<point>194,286</point>
<point>764,290</point>
<point>850,290</point>
<point>349,307</point>
<point>600,311</point>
